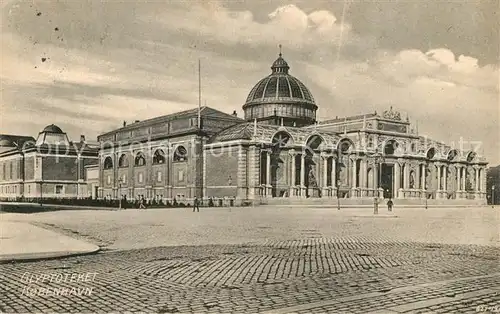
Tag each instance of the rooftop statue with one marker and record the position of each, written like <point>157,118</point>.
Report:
<point>391,114</point>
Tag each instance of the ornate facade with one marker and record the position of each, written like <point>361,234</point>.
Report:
<point>279,151</point>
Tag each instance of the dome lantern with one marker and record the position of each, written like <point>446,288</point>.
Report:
<point>280,65</point>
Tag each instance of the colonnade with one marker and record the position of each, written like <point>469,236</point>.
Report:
<point>362,180</point>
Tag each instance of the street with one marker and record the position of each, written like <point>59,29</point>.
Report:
<point>274,259</point>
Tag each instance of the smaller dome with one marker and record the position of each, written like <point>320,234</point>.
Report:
<point>53,129</point>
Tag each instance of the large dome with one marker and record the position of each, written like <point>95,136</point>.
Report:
<point>280,98</point>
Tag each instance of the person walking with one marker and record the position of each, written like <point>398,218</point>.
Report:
<point>196,205</point>
<point>141,203</point>
<point>390,203</point>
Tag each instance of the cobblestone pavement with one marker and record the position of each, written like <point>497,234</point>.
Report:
<point>318,275</point>
<point>350,263</point>
<point>134,229</point>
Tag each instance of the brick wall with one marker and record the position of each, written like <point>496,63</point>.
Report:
<point>160,168</point>
<point>86,162</point>
<point>140,176</point>
<point>59,168</point>
<point>108,173</point>
<point>180,173</point>
<point>222,171</point>
<point>29,168</point>
<point>50,190</point>
<point>10,169</point>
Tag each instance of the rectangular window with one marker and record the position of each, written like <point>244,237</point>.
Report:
<point>124,179</point>
<point>109,180</point>
<point>59,189</point>
<point>140,177</point>
<point>158,176</point>
<point>181,175</point>
<point>29,189</point>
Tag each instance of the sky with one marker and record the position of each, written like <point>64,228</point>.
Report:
<point>87,66</point>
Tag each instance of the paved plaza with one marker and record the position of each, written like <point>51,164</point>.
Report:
<point>265,259</point>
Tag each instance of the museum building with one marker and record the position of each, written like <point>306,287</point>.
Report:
<point>50,166</point>
<point>280,152</point>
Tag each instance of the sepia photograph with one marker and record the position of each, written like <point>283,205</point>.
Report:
<point>250,156</point>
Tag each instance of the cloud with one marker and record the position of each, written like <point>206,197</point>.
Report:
<point>113,61</point>
<point>288,25</point>
<point>451,98</point>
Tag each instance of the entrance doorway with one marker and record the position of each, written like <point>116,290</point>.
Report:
<point>386,180</point>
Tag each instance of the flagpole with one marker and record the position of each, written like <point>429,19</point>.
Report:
<point>199,94</point>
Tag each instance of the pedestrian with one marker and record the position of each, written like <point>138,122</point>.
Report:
<point>390,203</point>
<point>196,205</point>
<point>141,203</point>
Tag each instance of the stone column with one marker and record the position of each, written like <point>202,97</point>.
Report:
<point>268,173</point>
<point>292,183</point>
<point>445,178</point>
<point>354,172</point>
<point>325,176</point>
<point>438,192</point>
<point>423,174</point>
<point>397,179</point>
<point>476,171</point>
<point>464,175</point>
<point>242,182</point>
<point>333,175</point>
<point>405,176</point>
<point>417,177</point>
<point>482,182</point>
<point>459,169</point>
<point>302,174</point>
<point>354,180</point>
<point>365,177</point>
<point>376,174</point>
<point>255,171</point>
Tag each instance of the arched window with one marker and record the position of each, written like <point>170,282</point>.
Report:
<point>344,146</point>
<point>431,153</point>
<point>471,156</point>
<point>313,143</point>
<point>281,139</point>
<point>452,155</point>
<point>108,163</point>
<point>391,147</point>
<point>159,157</point>
<point>140,160</point>
<point>180,153</point>
<point>123,161</point>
